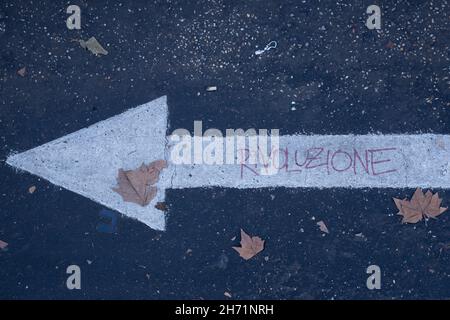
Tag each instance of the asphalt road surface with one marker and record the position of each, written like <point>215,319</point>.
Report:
<point>329,74</point>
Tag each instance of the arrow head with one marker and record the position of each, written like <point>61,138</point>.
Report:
<point>87,161</point>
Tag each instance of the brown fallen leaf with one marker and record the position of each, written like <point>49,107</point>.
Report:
<point>250,246</point>
<point>31,189</point>
<point>22,72</point>
<point>93,46</point>
<point>137,185</point>
<point>420,206</point>
<point>323,226</point>
<point>3,244</point>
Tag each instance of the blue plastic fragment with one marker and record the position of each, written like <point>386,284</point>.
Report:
<point>111,225</point>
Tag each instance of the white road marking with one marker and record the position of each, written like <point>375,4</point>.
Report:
<point>326,161</point>
<point>86,161</point>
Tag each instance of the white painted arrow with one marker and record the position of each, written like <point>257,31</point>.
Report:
<point>87,161</point>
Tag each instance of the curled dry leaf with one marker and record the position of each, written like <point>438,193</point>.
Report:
<point>93,46</point>
<point>137,186</point>
<point>323,226</point>
<point>250,246</point>
<point>22,72</point>
<point>420,206</point>
<point>3,244</point>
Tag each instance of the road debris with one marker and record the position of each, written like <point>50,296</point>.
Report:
<point>110,222</point>
<point>31,189</point>
<point>323,226</point>
<point>92,45</point>
<point>137,185</point>
<point>250,246</point>
<point>270,45</point>
<point>211,88</point>
<point>420,206</point>
<point>2,28</point>
<point>3,245</point>
<point>22,71</point>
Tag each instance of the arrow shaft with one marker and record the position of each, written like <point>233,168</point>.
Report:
<point>382,161</point>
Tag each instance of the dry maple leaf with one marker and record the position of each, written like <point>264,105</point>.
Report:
<point>138,185</point>
<point>250,246</point>
<point>420,206</point>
